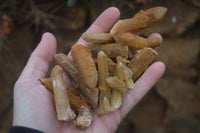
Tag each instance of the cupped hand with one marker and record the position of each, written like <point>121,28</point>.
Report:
<point>34,104</point>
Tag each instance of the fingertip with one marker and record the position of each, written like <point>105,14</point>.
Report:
<point>153,38</point>
<point>113,10</point>
<point>113,15</point>
<point>155,35</point>
<point>105,21</point>
<point>153,74</point>
<point>159,66</point>
<point>47,47</point>
<point>49,40</point>
<point>48,37</point>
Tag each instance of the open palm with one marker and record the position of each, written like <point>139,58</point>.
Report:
<point>34,104</point>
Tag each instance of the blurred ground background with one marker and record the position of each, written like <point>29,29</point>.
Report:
<point>172,106</point>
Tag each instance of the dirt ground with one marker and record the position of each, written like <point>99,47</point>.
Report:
<point>173,104</point>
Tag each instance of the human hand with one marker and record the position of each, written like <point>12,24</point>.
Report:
<point>34,105</point>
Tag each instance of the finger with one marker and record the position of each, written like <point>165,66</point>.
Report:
<point>142,86</point>
<point>105,21</point>
<point>40,59</point>
<point>102,24</point>
<point>155,35</point>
